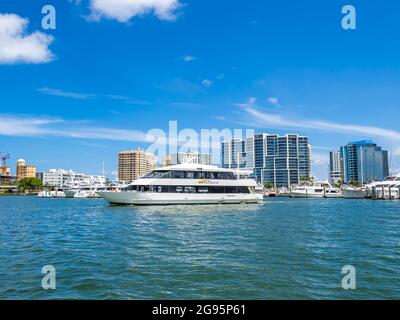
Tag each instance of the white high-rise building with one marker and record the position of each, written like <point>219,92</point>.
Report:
<point>335,167</point>
<point>282,161</point>
<point>190,157</point>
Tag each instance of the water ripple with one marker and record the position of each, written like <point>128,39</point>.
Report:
<point>283,249</point>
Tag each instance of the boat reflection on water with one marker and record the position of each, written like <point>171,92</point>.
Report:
<point>191,210</point>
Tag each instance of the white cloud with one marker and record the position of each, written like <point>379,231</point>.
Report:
<point>207,83</point>
<point>66,94</point>
<point>273,100</point>
<point>319,158</point>
<point>124,10</point>
<point>267,120</point>
<point>17,46</point>
<point>188,58</point>
<point>128,100</point>
<point>26,126</point>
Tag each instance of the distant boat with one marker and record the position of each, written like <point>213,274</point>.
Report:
<point>315,190</point>
<point>187,184</point>
<point>389,188</point>
<point>353,193</point>
<point>51,194</point>
<point>83,188</point>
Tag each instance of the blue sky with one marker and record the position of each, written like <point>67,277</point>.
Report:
<point>77,95</point>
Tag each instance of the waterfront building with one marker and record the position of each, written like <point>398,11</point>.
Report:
<point>5,171</point>
<point>133,164</point>
<point>167,161</point>
<point>60,178</point>
<point>364,162</point>
<point>4,179</point>
<point>335,167</point>
<point>24,170</point>
<point>281,161</point>
<point>191,157</point>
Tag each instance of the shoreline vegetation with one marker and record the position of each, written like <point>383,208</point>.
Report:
<point>24,187</point>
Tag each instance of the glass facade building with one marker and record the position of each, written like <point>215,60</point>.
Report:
<point>335,167</point>
<point>364,162</point>
<point>277,160</point>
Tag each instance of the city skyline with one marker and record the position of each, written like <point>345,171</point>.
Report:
<point>81,100</point>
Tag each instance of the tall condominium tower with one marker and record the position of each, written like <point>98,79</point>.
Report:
<point>363,162</point>
<point>335,167</point>
<point>134,163</point>
<point>278,160</point>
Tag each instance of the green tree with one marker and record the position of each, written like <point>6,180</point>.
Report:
<point>268,185</point>
<point>355,184</point>
<point>305,180</point>
<point>338,184</point>
<point>29,184</point>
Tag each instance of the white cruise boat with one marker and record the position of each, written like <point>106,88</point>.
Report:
<point>187,184</point>
<point>315,190</point>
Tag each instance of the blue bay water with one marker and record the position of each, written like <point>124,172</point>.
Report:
<point>282,249</point>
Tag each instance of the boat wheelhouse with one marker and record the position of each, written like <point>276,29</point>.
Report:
<point>188,184</point>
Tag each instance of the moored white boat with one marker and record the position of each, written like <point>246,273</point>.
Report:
<point>315,190</point>
<point>354,193</point>
<point>187,184</point>
<point>389,188</point>
<point>51,194</point>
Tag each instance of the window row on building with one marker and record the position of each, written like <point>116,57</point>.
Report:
<point>281,161</point>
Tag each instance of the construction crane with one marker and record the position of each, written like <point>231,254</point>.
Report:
<point>4,159</point>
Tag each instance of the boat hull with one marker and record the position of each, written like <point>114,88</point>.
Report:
<point>314,195</point>
<point>354,194</point>
<point>305,195</point>
<point>149,198</point>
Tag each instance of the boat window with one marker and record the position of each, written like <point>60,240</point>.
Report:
<point>189,175</point>
<point>201,175</point>
<point>178,174</point>
<point>158,175</point>
<point>129,188</point>
<point>202,189</point>
<point>211,175</point>
<point>243,190</point>
<point>190,189</point>
<point>217,190</point>
<point>319,190</point>
<point>230,189</point>
<point>179,189</point>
